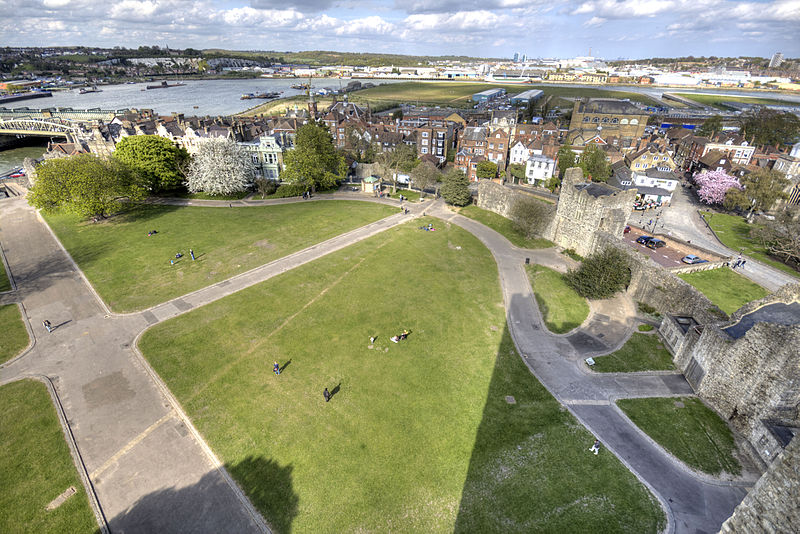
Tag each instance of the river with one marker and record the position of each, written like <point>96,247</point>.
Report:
<point>12,158</point>
<point>197,97</point>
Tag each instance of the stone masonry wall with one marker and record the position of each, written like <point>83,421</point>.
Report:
<point>494,197</point>
<point>772,505</point>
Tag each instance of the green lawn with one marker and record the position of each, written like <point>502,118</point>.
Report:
<point>15,336</point>
<point>132,271</point>
<point>688,429</point>
<point>726,288</point>
<point>561,306</point>
<point>734,232</point>
<point>5,283</point>
<point>642,352</point>
<point>717,100</point>
<point>419,436</point>
<point>503,226</point>
<point>36,467</point>
<point>411,196</point>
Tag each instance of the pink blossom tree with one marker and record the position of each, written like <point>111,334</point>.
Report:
<point>714,185</point>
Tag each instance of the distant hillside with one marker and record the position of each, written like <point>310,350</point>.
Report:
<point>325,57</point>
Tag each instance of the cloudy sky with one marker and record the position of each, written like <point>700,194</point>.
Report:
<point>488,28</point>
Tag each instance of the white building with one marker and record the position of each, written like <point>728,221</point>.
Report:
<point>539,168</point>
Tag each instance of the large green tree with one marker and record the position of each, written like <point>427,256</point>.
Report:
<point>600,275</point>
<point>770,127</point>
<point>566,159</point>
<point>762,188</point>
<point>594,163</point>
<point>85,185</point>
<point>455,189</point>
<point>155,159</point>
<point>403,159</point>
<point>314,161</point>
<point>517,172</point>
<point>424,176</point>
<point>710,125</point>
<point>486,170</point>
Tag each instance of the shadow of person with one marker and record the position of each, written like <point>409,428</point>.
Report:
<point>285,365</point>
<point>61,324</point>
<point>336,389</point>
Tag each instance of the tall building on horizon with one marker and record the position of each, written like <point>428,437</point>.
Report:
<point>516,57</point>
<point>777,59</point>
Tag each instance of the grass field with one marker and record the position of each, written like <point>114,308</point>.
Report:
<point>280,106</point>
<point>411,196</point>
<point>734,232</point>
<point>132,271</point>
<point>503,226</point>
<point>36,467</point>
<point>717,100</point>
<point>459,94</point>
<point>562,308</point>
<point>688,429</point>
<point>726,288</point>
<point>5,284</point>
<point>418,436</point>
<point>642,352</point>
<point>15,336</point>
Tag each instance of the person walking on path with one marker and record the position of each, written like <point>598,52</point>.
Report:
<point>326,394</point>
<point>276,368</point>
<point>48,326</point>
<point>191,253</point>
<point>596,447</point>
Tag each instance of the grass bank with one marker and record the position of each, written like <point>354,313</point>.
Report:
<point>561,306</point>
<point>688,429</point>
<point>5,283</point>
<point>419,436</point>
<point>503,226</point>
<point>642,352</point>
<point>132,271</point>
<point>734,232</point>
<point>15,336</point>
<point>717,100</point>
<point>726,288</point>
<point>36,467</point>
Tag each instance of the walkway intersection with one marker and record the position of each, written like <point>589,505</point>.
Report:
<point>152,471</point>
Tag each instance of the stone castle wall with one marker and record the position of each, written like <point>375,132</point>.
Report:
<point>501,199</point>
<point>772,505</point>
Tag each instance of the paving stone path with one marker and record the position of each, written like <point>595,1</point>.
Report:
<point>152,472</point>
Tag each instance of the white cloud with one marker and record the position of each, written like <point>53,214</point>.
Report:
<point>55,4</point>
<point>594,21</point>
<point>133,10</point>
<point>366,26</point>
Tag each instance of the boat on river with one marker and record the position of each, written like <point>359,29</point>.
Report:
<point>266,96</point>
<point>303,86</point>
<point>92,89</point>
<point>165,85</point>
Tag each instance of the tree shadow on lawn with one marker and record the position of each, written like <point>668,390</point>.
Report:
<point>531,470</point>
<point>189,509</point>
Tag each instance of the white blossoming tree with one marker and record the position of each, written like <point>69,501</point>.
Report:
<point>220,167</point>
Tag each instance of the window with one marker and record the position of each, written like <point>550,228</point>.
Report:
<point>424,150</point>
<point>441,135</point>
<point>500,146</point>
<point>491,146</point>
<point>424,141</point>
<point>424,134</point>
<point>596,120</point>
<point>624,121</point>
<point>614,120</point>
<point>605,120</point>
<point>255,158</point>
<point>587,119</point>
<point>634,121</point>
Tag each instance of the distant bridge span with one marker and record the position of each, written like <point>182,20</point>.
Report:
<point>42,127</point>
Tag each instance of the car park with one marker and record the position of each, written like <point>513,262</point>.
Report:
<point>655,243</point>
<point>691,259</point>
<point>643,239</point>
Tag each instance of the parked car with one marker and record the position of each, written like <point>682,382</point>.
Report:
<point>691,259</point>
<point>643,239</point>
<point>627,230</point>
<point>655,243</point>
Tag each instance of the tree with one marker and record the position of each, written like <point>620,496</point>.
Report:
<point>714,185</point>
<point>566,159</point>
<point>425,175</point>
<point>85,185</point>
<point>402,159</point>
<point>594,163</point>
<point>517,172</point>
<point>314,161</point>
<point>529,216</point>
<point>769,127</point>
<point>265,187</point>
<point>600,275</point>
<point>761,189</point>
<point>486,170</point>
<point>781,238</point>
<point>710,125</point>
<point>155,159</point>
<point>220,167</point>
<point>455,189</point>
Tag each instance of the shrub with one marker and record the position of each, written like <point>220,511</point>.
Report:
<point>645,327</point>
<point>529,216</point>
<point>291,190</point>
<point>600,275</point>
<point>645,308</point>
<point>572,254</point>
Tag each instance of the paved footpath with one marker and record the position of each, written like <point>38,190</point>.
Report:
<point>695,504</point>
<point>149,468</point>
